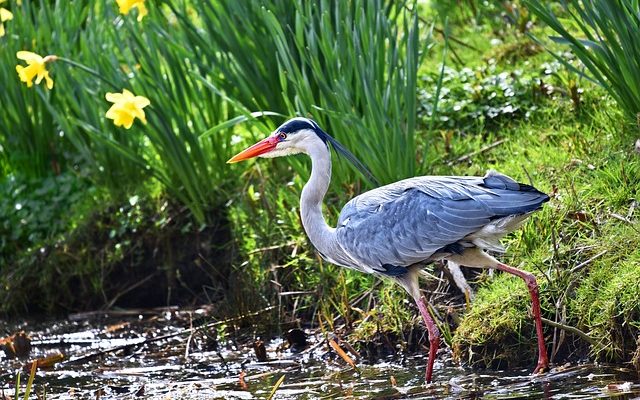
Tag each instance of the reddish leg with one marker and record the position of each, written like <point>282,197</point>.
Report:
<point>434,335</point>
<point>532,285</point>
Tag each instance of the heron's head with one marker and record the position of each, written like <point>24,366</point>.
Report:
<point>295,136</point>
<point>299,135</point>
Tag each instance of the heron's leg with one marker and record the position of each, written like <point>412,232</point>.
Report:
<point>434,335</point>
<point>532,285</point>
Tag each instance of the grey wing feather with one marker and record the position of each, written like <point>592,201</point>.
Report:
<point>410,221</point>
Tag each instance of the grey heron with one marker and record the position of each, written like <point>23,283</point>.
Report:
<point>396,230</point>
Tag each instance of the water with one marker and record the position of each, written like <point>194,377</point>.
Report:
<point>198,366</point>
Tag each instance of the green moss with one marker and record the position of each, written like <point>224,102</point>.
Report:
<point>498,330</point>
<point>607,301</point>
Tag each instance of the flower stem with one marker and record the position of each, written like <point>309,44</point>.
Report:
<point>87,70</point>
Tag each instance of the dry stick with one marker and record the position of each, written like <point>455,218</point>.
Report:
<point>585,263</point>
<point>188,345</point>
<point>571,329</point>
<point>479,151</point>
<point>274,247</point>
<point>624,219</point>
<point>163,337</point>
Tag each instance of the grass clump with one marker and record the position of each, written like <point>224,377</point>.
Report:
<point>581,245</point>
<point>606,302</point>
<point>498,316</point>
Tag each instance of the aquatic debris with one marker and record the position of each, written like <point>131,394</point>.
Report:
<point>260,350</point>
<point>297,339</point>
<point>243,383</point>
<point>617,388</point>
<point>336,347</point>
<point>48,361</point>
<point>16,345</point>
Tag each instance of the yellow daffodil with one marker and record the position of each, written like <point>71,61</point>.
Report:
<point>35,68</point>
<point>5,15</point>
<point>126,107</point>
<point>127,5</point>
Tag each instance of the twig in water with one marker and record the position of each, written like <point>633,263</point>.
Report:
<point>188,345</point>
<point>336,347</point>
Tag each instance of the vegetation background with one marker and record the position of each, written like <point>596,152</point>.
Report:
<point>97,216</point>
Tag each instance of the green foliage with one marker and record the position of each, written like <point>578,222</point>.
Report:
<point>142,252</point>
<point>30,143</point>
<point>150,61</point>
<point>483,98</point>
<point>604,36</point>
<point>363,57</point>
<point>35,210</point>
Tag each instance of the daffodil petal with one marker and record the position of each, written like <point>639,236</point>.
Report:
<point>21,74</point>
<point>111,113</point>
<point>128,123</point>
<point>29,57</point>
<point>1,29</point>
<point>141,101</point>
<point>114,97</point>
<point>5,15</point>
<point>124,6</point>
<point>142,11</point>
<point>127,95</point>
<point>48,80</point>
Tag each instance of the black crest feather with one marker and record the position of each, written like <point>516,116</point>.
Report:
<point>297,124</point>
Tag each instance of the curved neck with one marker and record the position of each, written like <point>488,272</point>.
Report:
<point>321,235</point>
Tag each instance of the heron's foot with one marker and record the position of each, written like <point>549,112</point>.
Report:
<point>541,368</point>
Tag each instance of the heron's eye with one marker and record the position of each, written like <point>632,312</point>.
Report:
<point>282,136</point>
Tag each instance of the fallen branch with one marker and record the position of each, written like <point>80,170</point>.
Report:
<point>571,329</point>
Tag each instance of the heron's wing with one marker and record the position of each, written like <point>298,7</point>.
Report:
<point>409,221</point>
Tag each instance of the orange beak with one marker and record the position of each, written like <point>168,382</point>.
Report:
<point>262,147</point>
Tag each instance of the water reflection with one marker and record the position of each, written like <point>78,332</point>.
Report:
<point>194,367</point>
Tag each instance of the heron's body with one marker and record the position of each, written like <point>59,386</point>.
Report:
<point>422,219</point>
<point>396,229</point>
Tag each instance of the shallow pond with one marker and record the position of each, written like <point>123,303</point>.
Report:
<point>153,355</point>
